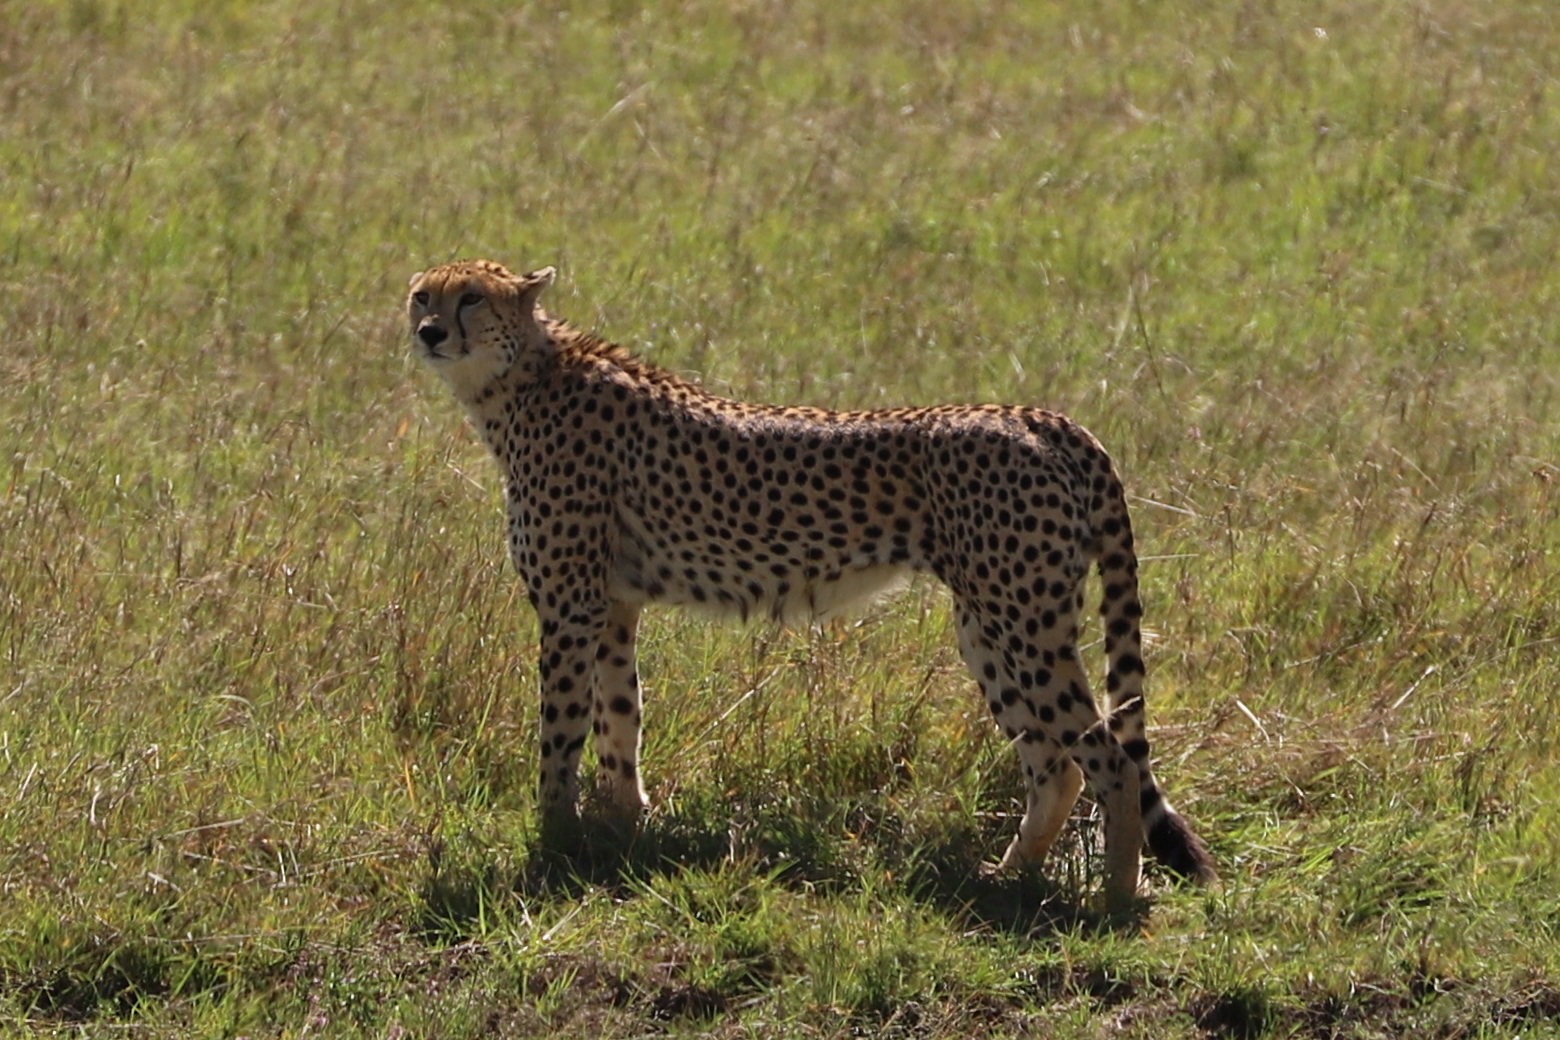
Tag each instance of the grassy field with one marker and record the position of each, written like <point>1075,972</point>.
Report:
<point>267,697</point>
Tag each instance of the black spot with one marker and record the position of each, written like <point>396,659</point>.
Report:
<point>1129,664</point>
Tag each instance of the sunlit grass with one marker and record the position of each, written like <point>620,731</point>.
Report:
<point>267,697</point>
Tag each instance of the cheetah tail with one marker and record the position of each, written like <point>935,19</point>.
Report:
<point>1173,843</point>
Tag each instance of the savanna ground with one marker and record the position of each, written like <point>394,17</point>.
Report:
<point>267,700</point>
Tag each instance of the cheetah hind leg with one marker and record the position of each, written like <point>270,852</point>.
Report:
<point>1123,833</point>
<point>1052,779</point>
<point>1049,805</point>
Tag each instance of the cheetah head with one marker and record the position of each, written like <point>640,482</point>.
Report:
<point>475,320</point>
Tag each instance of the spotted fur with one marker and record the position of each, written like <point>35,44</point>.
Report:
<point>628,485</point>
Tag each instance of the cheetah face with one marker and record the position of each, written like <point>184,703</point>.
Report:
<point>473,321</point>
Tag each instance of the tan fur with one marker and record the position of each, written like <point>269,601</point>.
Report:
<point>628,485</point>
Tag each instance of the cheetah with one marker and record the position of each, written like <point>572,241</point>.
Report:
<point>628,485</point>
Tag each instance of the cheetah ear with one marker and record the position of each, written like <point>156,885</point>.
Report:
<point>532,284</point>
<point>529,286</point>
<point>413,279</point>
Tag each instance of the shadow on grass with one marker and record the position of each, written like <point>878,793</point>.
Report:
<point>461,890</point>
<point>115,982</point>
<point>102,974</point>
<point>800,850</point>
<point>1025,903</point>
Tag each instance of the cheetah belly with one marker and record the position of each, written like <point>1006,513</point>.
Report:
<point>854,587</point>
<point>792,589</point>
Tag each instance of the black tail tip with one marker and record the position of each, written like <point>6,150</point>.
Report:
<point>1175,845</point>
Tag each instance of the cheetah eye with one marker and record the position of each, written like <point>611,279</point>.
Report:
<point>470,299</point>
<point>420,298</point>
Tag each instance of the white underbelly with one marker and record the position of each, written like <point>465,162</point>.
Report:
<point>806,590</point>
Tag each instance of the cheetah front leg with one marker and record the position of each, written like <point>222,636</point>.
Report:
<point>616,708</point>
<point>570,636</point>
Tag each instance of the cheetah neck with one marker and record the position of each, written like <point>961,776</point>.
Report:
<point>571,351</point>
<point>575,346</point>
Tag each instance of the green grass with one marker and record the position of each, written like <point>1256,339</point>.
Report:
<point>267,701</point>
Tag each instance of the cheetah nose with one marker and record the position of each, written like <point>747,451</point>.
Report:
<point>432,335</point>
